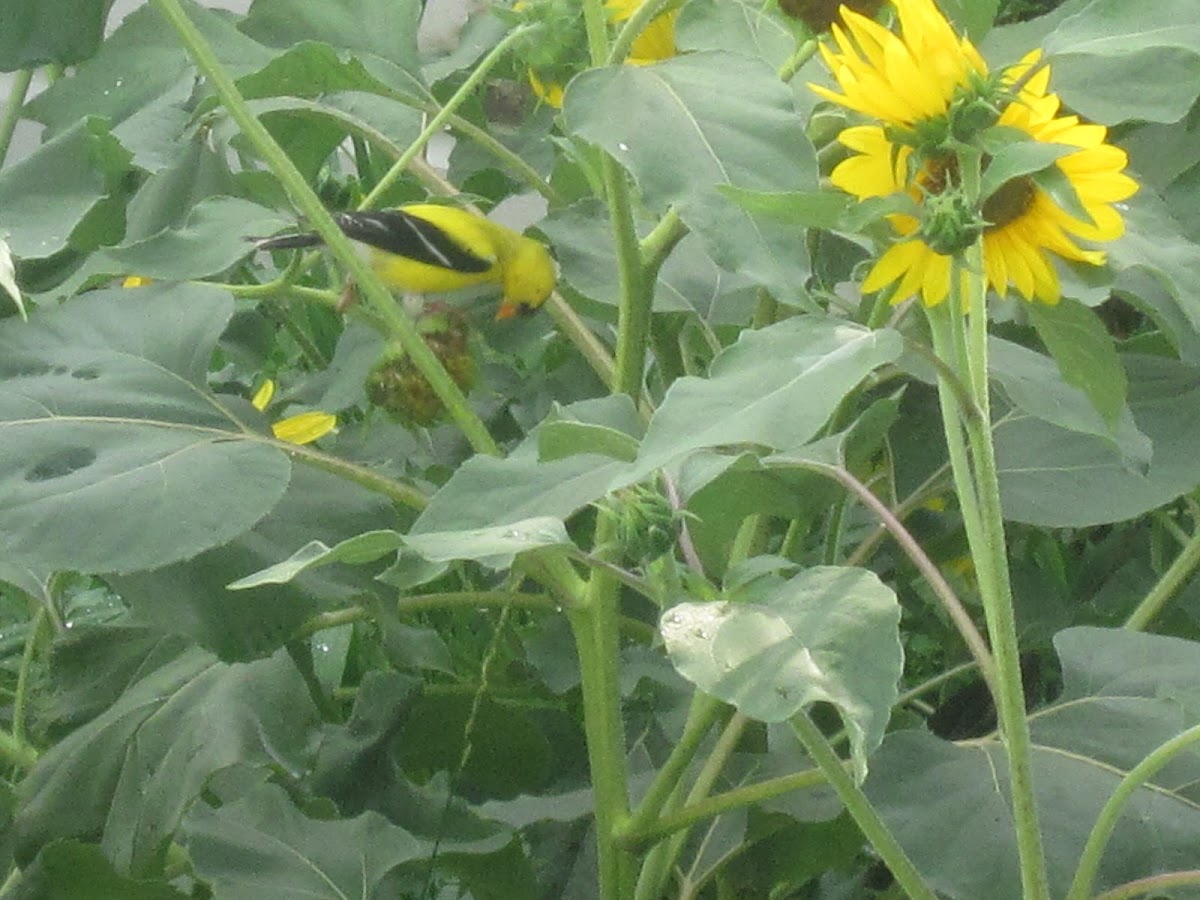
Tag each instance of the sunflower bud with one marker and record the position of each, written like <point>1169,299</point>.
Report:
<point>647,526</point>
<point>949,223</point>
<point>397,385</point>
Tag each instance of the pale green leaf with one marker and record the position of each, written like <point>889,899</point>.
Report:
<point>828,634</point>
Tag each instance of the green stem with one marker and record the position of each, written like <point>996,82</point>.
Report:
<point>636,290</point>
<point>1106,822</point>
<point>12,109</point>
<point>933,576</point>
<point>21,697</point>
<point>704,712</point>
<point>597,643</point>
<point>979,496</point>
<point>859,807</point>
<point>709,807</point>
<point>656,246</point>
<point>1154,884</point>
<point>1176,576</point>
<point>398,325</point>
<point>802,54</point>
<point>439,120</point>
<point>15,752</point>
<point>656,871</point>
<point>397,491</point>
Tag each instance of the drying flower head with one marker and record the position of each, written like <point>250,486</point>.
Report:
<point>932,97</point>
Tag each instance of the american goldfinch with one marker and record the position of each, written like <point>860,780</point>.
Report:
<point>424,248</point>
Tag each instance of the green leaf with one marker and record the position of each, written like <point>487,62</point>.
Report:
<point>1013,160</point>
<point>192,598</point>
<point>736,26</point>
<point>776,386</point>
<point>209,240</point>
<point>361,548</point>
<point>128,776</point>
<point>691,123</point>
<point>44,197</point>
<point>828,634</point>
<point>1036,385</point>
<point>1085,353</point>
<point>385,29</point>
<point>80,871</point>
<point>1123,694</point>
<point>1153,244</point>
<point>563,439</point>
<point>262,847</point>
<point>63,32</point>
<point>485,492</point>
<point>1115,61</point>
<point>117,455</point>
<point>140,63</point>
<point>1058,478</point>
<point>804,209</point>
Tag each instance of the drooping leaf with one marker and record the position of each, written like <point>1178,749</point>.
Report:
<point>827,634</point>
<point>1036,385</point>
<point>1085,354</point>
<point>1055,477</point>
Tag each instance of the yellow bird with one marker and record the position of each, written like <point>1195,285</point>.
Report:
<point>424,248</point>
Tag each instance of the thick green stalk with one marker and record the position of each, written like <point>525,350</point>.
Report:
<point>977,481</point>
<point>802,54</point>
<point>1093,850</point>
<point>594,624</point>
<point>398,326</point>
<point>1176,576</point>
<point>860,809</point>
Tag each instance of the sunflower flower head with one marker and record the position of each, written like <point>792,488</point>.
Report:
<point>937,120</point>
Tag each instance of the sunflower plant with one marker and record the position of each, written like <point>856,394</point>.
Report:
<point>828,532</point>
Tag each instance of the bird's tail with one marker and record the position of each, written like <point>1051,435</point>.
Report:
<point>287,241</point>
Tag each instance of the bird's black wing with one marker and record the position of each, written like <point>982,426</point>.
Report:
<point>395,231</point>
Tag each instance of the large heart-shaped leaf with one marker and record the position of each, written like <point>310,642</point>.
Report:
<point>117,455</point>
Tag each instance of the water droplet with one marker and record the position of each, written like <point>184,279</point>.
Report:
<point>513,535</point>
<point>674,618</point>
<point>323,648</point>
<point>1124,207</point>
<point>701,633</point>
<point>120,81</point>
<point>623,147</point>
<point>68,625</point>
<point>558,607</point>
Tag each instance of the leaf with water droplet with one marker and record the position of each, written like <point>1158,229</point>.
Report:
<point>828,634</point>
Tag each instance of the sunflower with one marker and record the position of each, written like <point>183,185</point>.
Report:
<point>1021,223</point>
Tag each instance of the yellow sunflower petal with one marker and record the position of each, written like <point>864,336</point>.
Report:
<point>263,395</point>
<point>304,428</point>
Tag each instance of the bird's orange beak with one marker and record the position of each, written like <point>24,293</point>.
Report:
<point>507,310</point>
